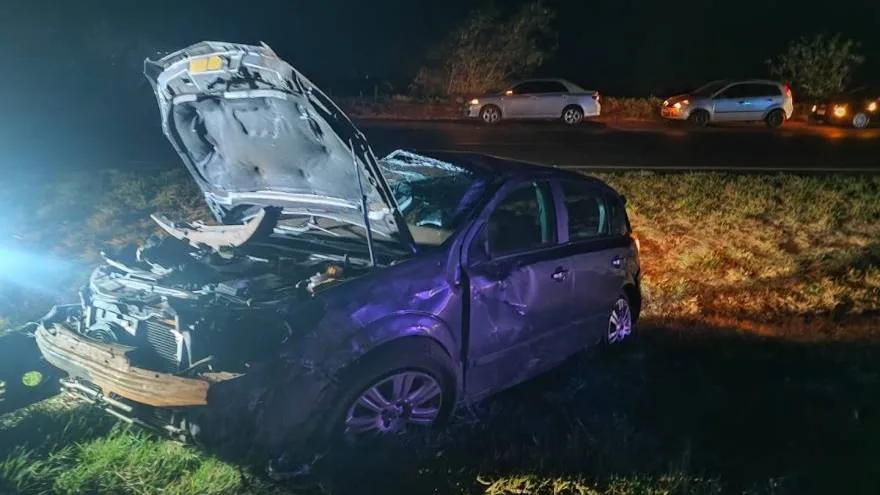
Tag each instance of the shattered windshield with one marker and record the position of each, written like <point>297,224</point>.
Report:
<point>434,196</point>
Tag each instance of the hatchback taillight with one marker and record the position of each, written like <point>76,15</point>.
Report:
<point>787,90</point>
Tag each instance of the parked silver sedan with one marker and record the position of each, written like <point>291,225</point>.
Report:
<point>733,101</point>
<point>537,99</point>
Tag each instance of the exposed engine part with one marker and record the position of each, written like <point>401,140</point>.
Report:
<point>185,308</point>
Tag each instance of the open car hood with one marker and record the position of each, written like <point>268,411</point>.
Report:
<point>256,133</point>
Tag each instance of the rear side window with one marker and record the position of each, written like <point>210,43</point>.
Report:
<point>587,211</point>
<point>618,221</point>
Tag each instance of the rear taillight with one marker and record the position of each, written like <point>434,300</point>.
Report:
<point>787,90</point>
<point>596,96</point>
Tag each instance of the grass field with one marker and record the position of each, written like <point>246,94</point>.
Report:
<point>756,370</point>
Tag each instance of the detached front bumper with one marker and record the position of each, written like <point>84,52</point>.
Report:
<point>106,366</point>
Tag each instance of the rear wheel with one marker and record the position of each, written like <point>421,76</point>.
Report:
<point>573,115</point>
<point>860,120</point>
<point>620,321</point>
<point>699,118</point>
<point>775,119</point>
<point>490,114</point>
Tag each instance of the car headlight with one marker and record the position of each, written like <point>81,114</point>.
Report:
<point>872,107</point>
<point>665,103</point>
<point>682,103</point>
<point>813,109</point>
<point>475,102</point>
<point>839,110</point>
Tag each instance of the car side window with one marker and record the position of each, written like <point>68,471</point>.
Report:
<point>735,91</point>
<point>527,88</point>
<point>587,211</point>
<point>618,220</point>
<point>551,87</point>
<point>525,219</point>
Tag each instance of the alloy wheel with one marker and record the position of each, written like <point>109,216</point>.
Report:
<point>391,405</point>
<point>491,115</point>
<point>860,120</point>
<point>620,322</point>
<point>572,116</point>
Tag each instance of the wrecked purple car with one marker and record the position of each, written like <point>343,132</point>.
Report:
<point>338,295</point>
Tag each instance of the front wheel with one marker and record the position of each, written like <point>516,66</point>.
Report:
<point>860,120</point>
<point>699,118</point>
<point>403,388</point>
<point>490,114</point>
<point>775,119</point>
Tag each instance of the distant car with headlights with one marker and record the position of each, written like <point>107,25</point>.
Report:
<point>855,108</point>
<point>537,99</point>
<point>733,101</point>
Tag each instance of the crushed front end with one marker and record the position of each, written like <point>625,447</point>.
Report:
<point>161,329</point>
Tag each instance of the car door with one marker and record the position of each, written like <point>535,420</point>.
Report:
<point>595,234</point>
<point>551,98</point>
<point>741,102</point>
<point>764,97</point>
<point>520,100</point>
<point>520,288</point>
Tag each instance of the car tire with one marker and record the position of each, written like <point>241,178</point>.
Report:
<point>775,119</point>
<point>572,115</point>
<point>419,357</point>
<point>621,322</point>
<point>490,114</point>
<point>861,120</point>
<point>699,118</point>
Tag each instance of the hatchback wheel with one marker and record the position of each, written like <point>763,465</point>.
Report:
<point>620,322</point>
<point>406,387</point>
<point>775,119</point>
<point>490,114</point>
<point>699,118</point>
<point>860,120</point>
<point>573,115</point>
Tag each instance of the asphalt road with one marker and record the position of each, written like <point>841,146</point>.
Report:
<point>644,145</point>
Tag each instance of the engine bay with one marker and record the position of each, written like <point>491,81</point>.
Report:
<point>186,308</point>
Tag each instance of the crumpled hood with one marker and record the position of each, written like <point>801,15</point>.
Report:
<point>254,132</point>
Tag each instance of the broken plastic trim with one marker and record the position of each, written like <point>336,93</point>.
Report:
<point>108,367</point>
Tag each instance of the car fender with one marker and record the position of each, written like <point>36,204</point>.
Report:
<point>406,323</point>
<point>775,106</point>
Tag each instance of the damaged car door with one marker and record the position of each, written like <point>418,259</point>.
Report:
<point>520,288</point>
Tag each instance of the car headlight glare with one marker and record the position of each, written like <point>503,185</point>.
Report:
<point>872,107</point>
<point>475,102</point>
<point>813,109</point>
<point>839,110</point>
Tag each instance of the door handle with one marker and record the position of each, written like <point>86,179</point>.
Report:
<point>617,262</point>
<point>560,274</point>
<point>744,102</point>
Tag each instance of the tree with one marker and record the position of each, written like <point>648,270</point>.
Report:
<point>818,66</point>
<point>489,49</point>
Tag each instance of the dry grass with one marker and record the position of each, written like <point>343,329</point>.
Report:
<point>756,370</point>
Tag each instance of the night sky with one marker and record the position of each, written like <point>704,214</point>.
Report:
<point>73,94</point>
